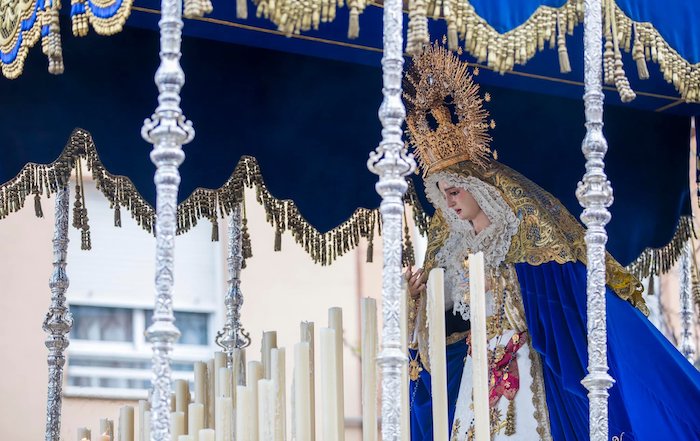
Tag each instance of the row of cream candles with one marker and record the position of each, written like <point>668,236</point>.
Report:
<point>188,419</point>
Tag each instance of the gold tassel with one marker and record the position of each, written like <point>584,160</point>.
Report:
<point>621,82</point>
<point>51,43</point>
<point>696,283</point>
<point>117,215</point>
<point>417,35</point>
<point>85,241</point>
<point>77,208</point>
<point>278,238</point>
<point>608,54</point>
<point>354,23</point>
<point>638,56</point>
<point>37,205</point>
<point>370,245</point>
<point>452,40</point>
<point>564,64</point>
<point>407,256</point>
<point>214,229</point>
<point>510,419</point>
<point>242,9</point>
<point>80,214</point>
<point>79,20</point>
<point>198,8</point>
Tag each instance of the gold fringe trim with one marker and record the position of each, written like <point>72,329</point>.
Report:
<point>283,215</point>
<point>103,26</point>
<point>501,52</point>
<point>199,8</point>
<point>293,16</point>
<point>50,43</point>
<point>44,180</point>
<point>656,261</point>
<point>647,44</point>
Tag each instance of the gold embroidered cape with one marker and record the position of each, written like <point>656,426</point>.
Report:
<point>547,232</point>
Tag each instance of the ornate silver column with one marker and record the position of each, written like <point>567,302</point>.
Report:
<point>392,163</point>
<point>58,321</point>
<point>167,130</point>
<point>687,342</point>
<point>595,195</point>
<point>233,336</point>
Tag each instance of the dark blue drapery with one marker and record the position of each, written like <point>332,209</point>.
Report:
<point>657,391</point>
<point>656,395</point>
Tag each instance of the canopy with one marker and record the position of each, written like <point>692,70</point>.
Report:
<point>305,108</point>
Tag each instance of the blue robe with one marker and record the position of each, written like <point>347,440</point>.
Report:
<point>656,394</point>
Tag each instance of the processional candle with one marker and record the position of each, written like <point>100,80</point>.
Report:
<point>436,349</point>
<point>200,383</point>
<point>405,409</point>
<point>243,413</point>
<point>477,309</point>
<point>255,373</point>
<point>369,369</point>
<point>266,410</point>
<point>329,386</point>
<point>277,365</point>
<point>182,400</point>
<point>126,423</point>
<point>224,419</point>
<point>269,342</point>
<point>335,322</point>
<point>144,407</point>
<point>195,421</point>
<point>210,419</point>
<point>177,425</point>
<point>207,435</point>
<point>307,335</point>
<point>302,393</point>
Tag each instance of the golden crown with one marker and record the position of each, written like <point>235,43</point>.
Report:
<point>437,81</point>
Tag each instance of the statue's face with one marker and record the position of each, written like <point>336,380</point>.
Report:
<point>460,200</point>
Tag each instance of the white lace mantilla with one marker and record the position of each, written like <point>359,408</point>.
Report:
<point>493,241</point>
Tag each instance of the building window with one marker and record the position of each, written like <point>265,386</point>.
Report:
<point>102,324</point>
<point>111,297</point>
<point>109,354</point>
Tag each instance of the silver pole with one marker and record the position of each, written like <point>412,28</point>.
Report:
<point>595,195</point>
<point>233,336</point>
<point>392,163</point>
<point>167,130</point>
<point>687,342</point>
<point>58,321</point>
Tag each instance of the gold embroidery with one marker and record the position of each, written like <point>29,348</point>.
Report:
<point>455,337</point>
<point>547,231</point>
<point>510,418</point>
<point>455,429</point>
<point>414,369</point>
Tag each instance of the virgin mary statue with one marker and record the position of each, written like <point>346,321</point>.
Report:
<point>535,259</point>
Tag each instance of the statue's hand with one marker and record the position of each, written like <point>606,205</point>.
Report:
<point>416,282</point>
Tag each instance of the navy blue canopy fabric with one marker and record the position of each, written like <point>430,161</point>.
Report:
<point>311,122</point>
<point>540,74</point>
<point>676,21</point>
